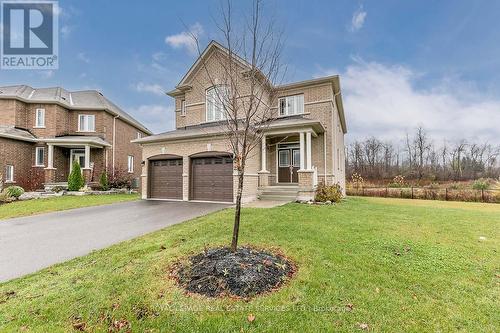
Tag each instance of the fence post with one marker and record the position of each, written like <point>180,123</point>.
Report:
<point>386,192</point>
<point>482,195</point>
<point>412,192</point>
<point>446,194</point>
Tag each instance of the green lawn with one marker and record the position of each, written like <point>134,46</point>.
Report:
<point>401,265</point>
<point>38,206</point>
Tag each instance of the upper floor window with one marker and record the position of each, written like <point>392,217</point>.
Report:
<point>291,105</point>
<point>86,123</point>
<point>216,97</point>
<point>130,163</point>
<point>139,135</point>
<point>9,173</point>
<point>40,118</point>
<point>39,156</point>
<point>183,107</point>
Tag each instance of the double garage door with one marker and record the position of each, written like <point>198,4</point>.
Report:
<point>211,179</point>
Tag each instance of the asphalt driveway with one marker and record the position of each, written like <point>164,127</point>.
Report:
<point>28,244</point>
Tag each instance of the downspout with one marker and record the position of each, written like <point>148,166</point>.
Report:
<point>114,142</point>
<point>325,181</point>
<point>334,132</point>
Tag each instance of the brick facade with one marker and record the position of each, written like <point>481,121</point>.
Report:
<point>61,121</point>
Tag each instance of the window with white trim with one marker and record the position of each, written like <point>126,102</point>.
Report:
<point>216,97</point>
<point>39,156</point>
<point>139,135</point>
<point>130,163</point>
<point>39,118</point>
<point>9,173</point>
<point>183,107</point>
<point>291,105</point>
<point>86,123</point>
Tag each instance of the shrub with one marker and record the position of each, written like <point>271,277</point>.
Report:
<point>331,193</point>
<point>103,181</point>
<point>120,179</point>
<point>357,180</point>
<point>14,191</point>
<point>481,184</point>
<point>398,182</point>
<point>75,178</point>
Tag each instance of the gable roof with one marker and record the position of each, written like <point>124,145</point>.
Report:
<point>14,133</point>
<point>213,45</point>
<point>72,100</point>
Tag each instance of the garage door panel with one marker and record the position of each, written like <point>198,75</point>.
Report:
<point>212,179</point>
<point>166,179</point>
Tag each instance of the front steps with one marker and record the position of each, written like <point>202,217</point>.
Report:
<point>279,193</point>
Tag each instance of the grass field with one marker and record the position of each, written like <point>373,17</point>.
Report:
<point>38,206</point>
<point>390,264</point>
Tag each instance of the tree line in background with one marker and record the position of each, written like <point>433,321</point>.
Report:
<point>418,157</point>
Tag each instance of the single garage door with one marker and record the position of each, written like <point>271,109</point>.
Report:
<point>212,179</point>
<point>166,179</point>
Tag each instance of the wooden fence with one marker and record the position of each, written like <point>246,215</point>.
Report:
<point>447,194</point>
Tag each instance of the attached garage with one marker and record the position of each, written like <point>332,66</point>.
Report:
<point>212,178</point>
<point>165,178</point>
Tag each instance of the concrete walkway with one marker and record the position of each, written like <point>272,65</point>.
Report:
<point>265,203</point>
<point>28,244</point>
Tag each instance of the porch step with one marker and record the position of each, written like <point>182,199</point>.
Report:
<point>279,193</point>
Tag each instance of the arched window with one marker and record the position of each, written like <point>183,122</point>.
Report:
<point>217,96</point>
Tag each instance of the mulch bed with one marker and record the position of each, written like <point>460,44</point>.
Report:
<point>219,272</point>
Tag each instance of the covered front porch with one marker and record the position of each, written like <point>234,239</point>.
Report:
<point>90,152</point>
<point>289,158</point>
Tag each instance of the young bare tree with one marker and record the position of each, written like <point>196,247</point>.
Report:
<point>245,73</point>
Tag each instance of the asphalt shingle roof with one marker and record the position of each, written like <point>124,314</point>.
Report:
<point>74,100</point>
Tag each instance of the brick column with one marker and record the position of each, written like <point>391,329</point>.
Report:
<point>185,178</point>
<point>50,175</point>
<point>264,178</point>
<point>306,188</point>
<point>87,174</point>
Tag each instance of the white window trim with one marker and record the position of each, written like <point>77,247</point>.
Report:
<point>130,165</point>
<point>279,158</point>
<point>79,123</point>
<point>37,153</point>
<point>223,113</point>
<point>37,118</point>
<point>287,111</point>
<point>139,135</point>
<point>183,107</point>
<point>11,167</point>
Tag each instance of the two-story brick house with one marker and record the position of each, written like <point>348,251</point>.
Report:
<point>302,146</point>
<point>42,131</point>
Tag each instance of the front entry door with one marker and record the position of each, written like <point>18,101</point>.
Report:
<point>78,155</point>
<point>288,165</point>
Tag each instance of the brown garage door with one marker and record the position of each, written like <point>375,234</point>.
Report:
<point>212,179</point>
<point>166,179</point>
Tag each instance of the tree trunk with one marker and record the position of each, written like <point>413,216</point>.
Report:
<point>237,213</point>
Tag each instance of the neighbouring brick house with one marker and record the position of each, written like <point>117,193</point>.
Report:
<point>302,147</point>
<point>42,131</point>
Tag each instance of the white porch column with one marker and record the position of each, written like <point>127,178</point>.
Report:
<point>302,151</point>
<point>263,154</point>
<point>308,151</point>
<point>87,157</point>
<point>50,157</point>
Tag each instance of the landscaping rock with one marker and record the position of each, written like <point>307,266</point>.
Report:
<point>246,273</point>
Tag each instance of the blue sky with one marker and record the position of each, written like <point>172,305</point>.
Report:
<point>402,63</point>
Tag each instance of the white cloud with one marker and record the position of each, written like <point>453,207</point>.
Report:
<point>384,101</point>
<point>185,40</point>
<point>358,19</point>
<point>158,118</point>
<point>151,88</point>
<point>66,31</point>
<point>46,74</point>
<point>83,57</point>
